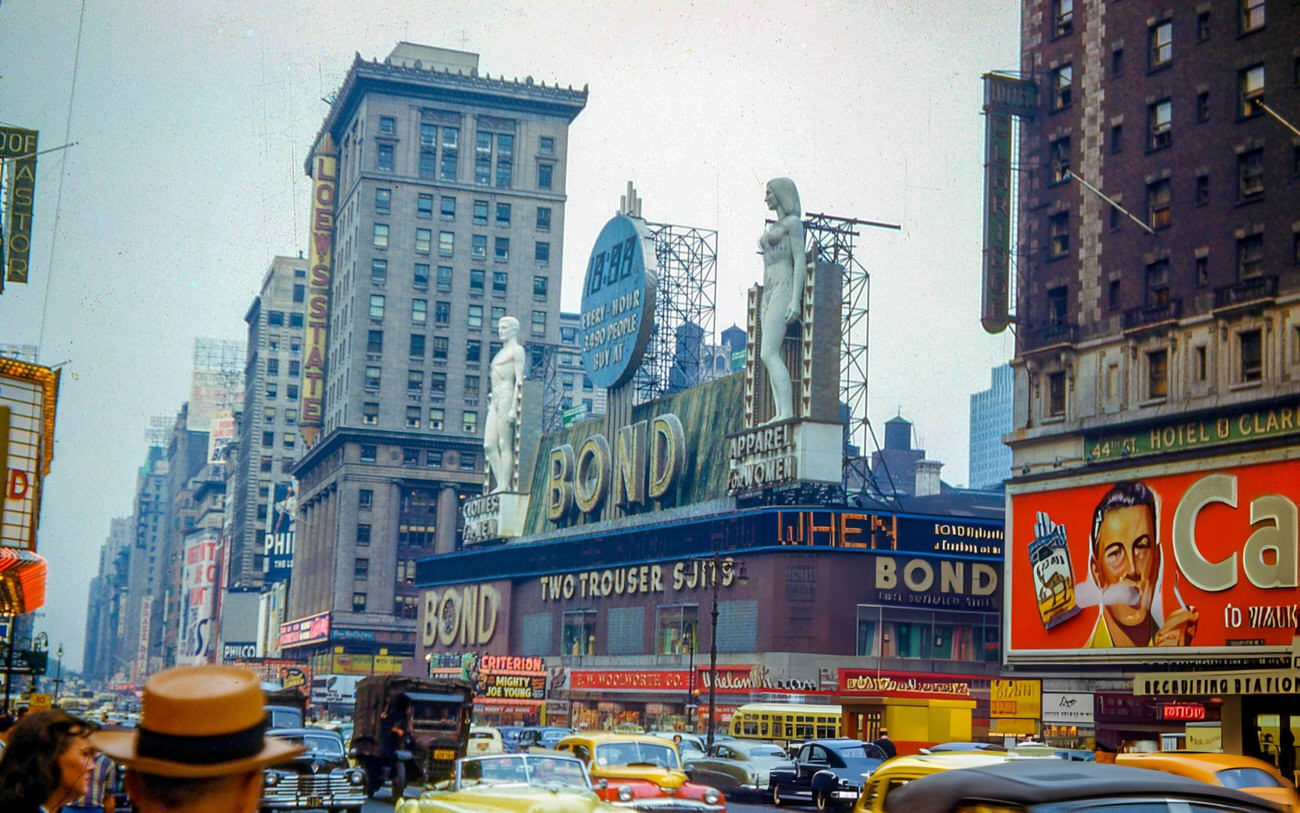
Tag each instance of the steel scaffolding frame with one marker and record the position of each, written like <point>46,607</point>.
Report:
<point>687,294</point>
<point>543,366</point>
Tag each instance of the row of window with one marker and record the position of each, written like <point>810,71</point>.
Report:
<point>444,280</point>
<point>434,458</point>
<point>1250,98</point>
<point>447,244</point>
<point>403,606</point>
<point>439,155</point>
<point>447,210</point>
<point>442,313</point>
<point>1250,18</point>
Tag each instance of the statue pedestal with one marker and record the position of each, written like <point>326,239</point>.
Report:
<point>786,452</point>
<point>494,516</point>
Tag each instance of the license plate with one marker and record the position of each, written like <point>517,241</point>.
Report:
<point>444,753</point>
<point>314,801</point>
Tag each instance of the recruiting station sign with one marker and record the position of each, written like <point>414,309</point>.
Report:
<point>1224,548</point>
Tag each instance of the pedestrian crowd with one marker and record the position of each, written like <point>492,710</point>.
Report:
<point>200,746</point>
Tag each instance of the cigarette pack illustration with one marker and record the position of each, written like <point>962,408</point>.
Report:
<point>1049,560</point>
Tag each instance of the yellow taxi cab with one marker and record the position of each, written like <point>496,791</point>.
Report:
<point>1243,773</point>
<point>894,773</point>
<point>640,771</point>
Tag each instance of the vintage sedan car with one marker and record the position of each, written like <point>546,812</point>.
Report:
<point>1243,773</point>
<point>542,736</point>
<point>640,771</point>
<point>739,767</point>
<point>829,773</point>
<point>484,739</point>
<point>1060,786</point>
<point>516,783</point>
<point>897,772</point>
<point>318,778</point>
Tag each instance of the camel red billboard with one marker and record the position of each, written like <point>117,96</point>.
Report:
<point>1153,564</point>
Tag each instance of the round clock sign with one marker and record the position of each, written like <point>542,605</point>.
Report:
<point>618,298</point>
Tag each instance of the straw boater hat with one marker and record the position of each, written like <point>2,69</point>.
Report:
<point>198,722</point>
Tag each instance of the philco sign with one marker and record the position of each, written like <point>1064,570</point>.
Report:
<point>647,459</point>
<point>465,615</point>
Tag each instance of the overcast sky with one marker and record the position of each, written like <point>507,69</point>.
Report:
<point>191,121</point>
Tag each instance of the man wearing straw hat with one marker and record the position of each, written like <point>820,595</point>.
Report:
<point>200,745</point>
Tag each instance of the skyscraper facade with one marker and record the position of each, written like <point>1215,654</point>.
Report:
<point>448,215</point>
<point>990,419</point>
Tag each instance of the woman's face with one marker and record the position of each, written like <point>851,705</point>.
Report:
<point>74,766</point>
<point>770,198</point>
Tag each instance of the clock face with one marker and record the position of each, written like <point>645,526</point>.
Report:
<point>617,302</point>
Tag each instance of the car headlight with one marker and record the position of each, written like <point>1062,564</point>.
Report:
<point>711,796</point>
<point>356,778</point>
<point>625,793</point>
<point>270,779</point>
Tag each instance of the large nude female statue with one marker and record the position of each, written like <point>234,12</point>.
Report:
<point>785,272</point>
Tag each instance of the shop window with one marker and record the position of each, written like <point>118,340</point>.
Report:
<point>578,634</point>
<point>868,626</point>
<point>676,628</point>
<point>905,639</point>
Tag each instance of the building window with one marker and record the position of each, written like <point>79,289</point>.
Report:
<point>1057,307</point>
<point>1062,86</point>
<point>370,413</point>
<point>411,457</point>
<point>383,201</point>
<point>372,377</point>
<point>387,125</point>
<point>469,422</point>
<point>1117,62</point>
<point>543,218</point>
<point>412,416</point>
<point>379,238</point>
<point>494,318</point>
<point>444,278</point>
<point>292,392</point>
<point>1158,195</point>
<point>1203,26</point>
<point>501,249</point>
<point>378,270</point>
<point>539,322</point>
<point>268,439</point>
<point>1203,106</point>
<point>474,351</point>
<point>441,316</point>
<point>447,208</point>
<point>1252,15</point>
<point>375,342</point>
<point>471,386</point>
<point>468,461</point>
<point>505,160</point>
<point>478,246</point>
<point>500,281</point>
<point>542,252</point>
<point>428,164</point>
<point>417,346</point>
<point>1202,190</point>
<point>1113,295</point>
<point>1200,363</point>
<point>474,316</point>
<point>503,214</point>
<point>424,205</point>
<point>447,166</point>
<point>419,311</point>
<point>446,243</point>
<point>1157,274</point>
<point>1116,138</point>
<point>436,418</point>
<point>438,384</point>
<point>367,456</point>
<point>540,286</point>
<point>480,213</point>
<point>420,276</point>
<point>384,158</point>
<point>1160,119</point>
<point>1250,256</point>
<point>1056,394</point>
<point>578,636</point>
<point>1162,44</point>
<point>1062,17</point>
<point>433,459</point>
<point>546,145</point>
<point>545,175</point>
<point>272,367</point>
<point>363,529</point>
<point>376,306</point>
<point>428,136</point>
<point>1250,174</point>
<point>415,381</point>
<point>1252,355</point>
<point>1251,84</point>
<point>365,499</point>
<point>1058,235</point>
<point>1202,271</point>
<point>482,158</point>
<point>1059,151</point>
<point>358,602</point>
<point>476,278</point>
<point>423,240</point>
<point>1158,374</point>
<point>676,628</point>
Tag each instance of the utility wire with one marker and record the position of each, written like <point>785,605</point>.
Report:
<point>63,174</point>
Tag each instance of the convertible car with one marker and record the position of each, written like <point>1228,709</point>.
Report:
<point>512,783</point>
<point>318,778</point>
<point>642,772</point>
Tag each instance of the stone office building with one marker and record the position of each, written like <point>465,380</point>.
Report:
<point>448,214</point>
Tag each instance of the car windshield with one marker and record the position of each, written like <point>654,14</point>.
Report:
<point>766,751</point>
<point>320,745</point>
<point>636,753</point>
<point>546,771</point>
<point>1247,778</point>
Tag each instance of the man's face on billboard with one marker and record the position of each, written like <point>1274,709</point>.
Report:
<point>1127,554</point>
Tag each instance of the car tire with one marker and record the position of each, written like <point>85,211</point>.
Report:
<point>776,795</point>
<point>399,781</point>
<point>822,801</point>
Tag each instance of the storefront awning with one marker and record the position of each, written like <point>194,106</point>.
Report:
<point>22,581</point>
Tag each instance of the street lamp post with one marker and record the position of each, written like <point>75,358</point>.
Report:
<point>737,568</point>
<point>58,674</point>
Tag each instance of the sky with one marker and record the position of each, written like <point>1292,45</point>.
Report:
<point>188,123</point>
